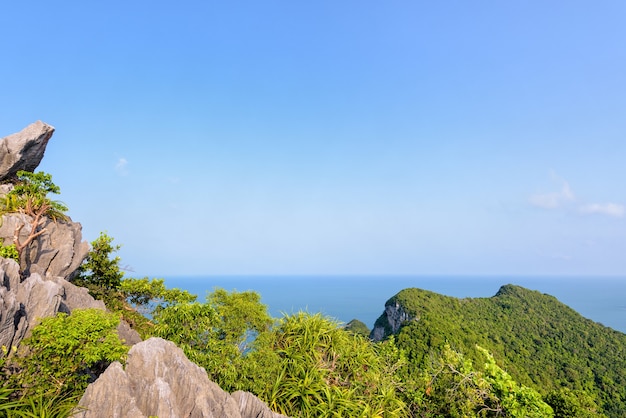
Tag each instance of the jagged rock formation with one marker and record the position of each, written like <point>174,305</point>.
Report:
<point>158,380</point>
<point>57,253</point>
<point>24,302</point>
<point>23,150</point>
<point>42,288</point>
<point>390,321</point>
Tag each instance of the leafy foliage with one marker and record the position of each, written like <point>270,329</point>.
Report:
<point>65,351</point>
<point>217,334</point>
<point>326,371</point>
<point>10,252</point>
<point>357,327</point>
<point>542,343</point>
<point>100,268</point>
<point>568,403</point>
<point>152,295</point>
<point>30,196</point>
<point>455,388</point>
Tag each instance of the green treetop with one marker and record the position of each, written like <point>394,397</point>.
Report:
<point>100,268</point>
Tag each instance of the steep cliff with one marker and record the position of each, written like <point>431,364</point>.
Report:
<point>389,323</point>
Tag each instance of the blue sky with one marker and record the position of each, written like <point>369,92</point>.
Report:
<point>329,137</point>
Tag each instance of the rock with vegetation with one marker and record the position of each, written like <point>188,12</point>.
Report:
<point>357,327</point>
<point>23,150</point>
<point>159,380</point>
<point>391,320</point>
<point>41,248</point>
<point>542,343</point>
<point>23,302</point>
<point>51,246</point>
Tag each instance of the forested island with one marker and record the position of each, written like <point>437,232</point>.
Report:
<point>81,339</point>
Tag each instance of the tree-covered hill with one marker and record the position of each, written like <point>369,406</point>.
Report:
<point>540,341</point>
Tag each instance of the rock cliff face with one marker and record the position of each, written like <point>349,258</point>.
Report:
<point>158,380</point>
<point>390,321</point>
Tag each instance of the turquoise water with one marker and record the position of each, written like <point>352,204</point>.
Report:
<point>363,297</point>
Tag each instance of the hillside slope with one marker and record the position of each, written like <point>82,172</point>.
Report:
<point>540,341</point>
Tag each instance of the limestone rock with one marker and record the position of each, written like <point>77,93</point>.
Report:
<point>56,253</point>
<point>128,335</point>
<point>252,407</point>
<point>23,303</point>
<point>390,321</point>
<point>23,150</point>
<point>159,380</point>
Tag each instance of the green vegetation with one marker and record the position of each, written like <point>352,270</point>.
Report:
<point>304,365</point>
<point>325,371</point>
<point>30,197</point>
<point>449,361</point>
<point>454,387</point>
<point>63,354</point>
<point>100,268</point>
<point>10,252</point>
<point>357,327</point>
<point>542,343</point>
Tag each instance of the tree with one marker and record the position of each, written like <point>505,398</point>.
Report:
<point>219,335</point>
<point>455,388</point>
<point>100,268</point>
<point>30,197</point>
<point>569,403</point>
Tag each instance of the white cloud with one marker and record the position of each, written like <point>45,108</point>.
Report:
<point>121,167</point>
<point>609,209</point>
<point>553,200</point>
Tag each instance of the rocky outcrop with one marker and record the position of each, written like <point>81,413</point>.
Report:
<point>390,321</point>
<point>58,252</point>
<point>23,150</point>
<point>24,302</point>
<point>158,380</point>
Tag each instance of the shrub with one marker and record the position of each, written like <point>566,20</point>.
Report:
<point>66,351</point>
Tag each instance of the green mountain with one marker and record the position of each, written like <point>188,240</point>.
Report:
<point>541,342</point>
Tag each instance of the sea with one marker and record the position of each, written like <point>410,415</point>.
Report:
<point>344,298</point>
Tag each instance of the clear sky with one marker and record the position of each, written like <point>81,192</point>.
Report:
<point>331,137</point>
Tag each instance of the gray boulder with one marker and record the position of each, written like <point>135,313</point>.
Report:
<point>58,252</point>
<point>24,302</point>
<point>23,150</point>
<point>159,380</point>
